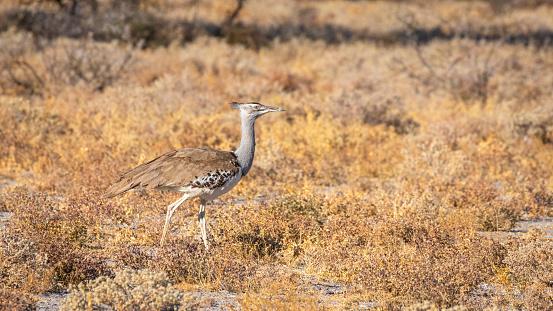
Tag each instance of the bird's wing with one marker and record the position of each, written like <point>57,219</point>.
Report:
<point>196,167</point>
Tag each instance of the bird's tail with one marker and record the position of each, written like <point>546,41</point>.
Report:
<point>117,188</point>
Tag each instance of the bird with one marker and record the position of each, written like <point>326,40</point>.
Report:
<point>203,173</point>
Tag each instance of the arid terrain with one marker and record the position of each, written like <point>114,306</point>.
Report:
<point>413,168</point>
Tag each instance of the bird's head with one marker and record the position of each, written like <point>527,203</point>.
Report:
<point>254,109</point>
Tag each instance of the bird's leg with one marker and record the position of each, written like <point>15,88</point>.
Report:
<point>170,210</point>
<point>201,218</point>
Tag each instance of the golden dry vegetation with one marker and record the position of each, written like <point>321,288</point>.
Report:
<point>417,134</point>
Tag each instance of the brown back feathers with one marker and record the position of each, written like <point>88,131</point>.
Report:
<point>176,169</point>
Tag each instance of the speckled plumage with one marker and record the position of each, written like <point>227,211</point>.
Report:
<point>213,180</point>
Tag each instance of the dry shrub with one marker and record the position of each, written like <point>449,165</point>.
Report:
<point>537,123</point>
<point>411,258</point>
<point>464,70</point>
<point>242,244</point>
<point>495,179</point>
<point>492,210</point>
<point>65,62</point>
<point>27,130</point>
<point>377,109</point>
<point>128,290</point>
<point>479,72</point>
<point>16,300</point>
<point>225,267</point>
<point>321,135</point>
<point>530,265</point>
<point>59,235</point>
<point>110,20</point>
<point>281,228</point>
<point>18,70</point>
<point>87,63</point>
<point>23,266</point>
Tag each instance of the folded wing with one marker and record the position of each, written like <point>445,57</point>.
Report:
<point>177,169</point>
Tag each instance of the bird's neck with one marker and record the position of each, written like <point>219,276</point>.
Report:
<point>246,151</point>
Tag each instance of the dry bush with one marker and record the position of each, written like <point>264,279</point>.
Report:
<point>59,235</point>
<point>454,176</point>
<point>464,71</point>
<point>227,267</point>
<point>65,62</point>
<point>529,263</point>
<point>23,266</point>
<point>378,109</point>
<point>484,73</point>
<point>279,230</point>
<point>243,244</point>
<point>106,21</point>
<point>26,131</point>
<point>537,123</point>
<point>15,300</point>
<point>411,256</point>
<point>128,290</point>
<point>91,64</point>
<point>18,72</point>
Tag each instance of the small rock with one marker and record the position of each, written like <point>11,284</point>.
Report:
<point>366,305</point>
<point>50,301</point>
<point>4,219</point>
<point>329,288</point>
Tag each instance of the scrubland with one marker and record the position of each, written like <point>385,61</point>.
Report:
<point>416,133</point>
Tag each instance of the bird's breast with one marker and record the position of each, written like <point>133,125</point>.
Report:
<point>223,188</point>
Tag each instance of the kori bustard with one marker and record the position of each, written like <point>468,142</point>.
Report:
<point>197,172</point>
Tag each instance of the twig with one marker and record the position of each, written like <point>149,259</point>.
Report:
<point>424,62</point>
<point>230,19</point>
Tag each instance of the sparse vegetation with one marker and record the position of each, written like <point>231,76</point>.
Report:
<point>128,290</point>
<point>416,137</point>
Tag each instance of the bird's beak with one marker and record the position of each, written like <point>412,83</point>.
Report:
<point>235,105</point>
<point>274,109</point>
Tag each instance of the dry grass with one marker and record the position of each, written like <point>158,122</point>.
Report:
<point>411,129</point>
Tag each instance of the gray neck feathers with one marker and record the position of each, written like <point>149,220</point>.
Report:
<point>246,151</point>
